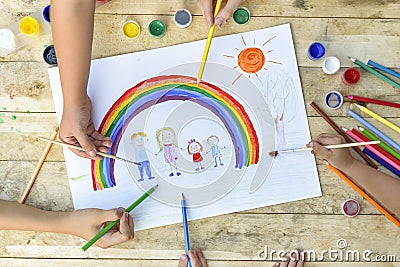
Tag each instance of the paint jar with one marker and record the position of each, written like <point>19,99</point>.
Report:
<point>46,13</point>
<point>131,29</point>
<point>351,76</point>
<point>182,18</point>
<point>333,100</point>
<point>7,42</point>
<point>316,51</point>
<point>49,55</point>
<point>157,28</point>
<point>350,208</point>
<point>330,65</point>
<point>29,26</point>
<point>241,15</point>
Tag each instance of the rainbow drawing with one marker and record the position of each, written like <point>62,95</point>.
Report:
<point>175,87</point>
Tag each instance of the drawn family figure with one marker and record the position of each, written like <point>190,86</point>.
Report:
<point>194,149</point>
<point>166,140</point>
<point>213,141</point>
<point>141,155</point>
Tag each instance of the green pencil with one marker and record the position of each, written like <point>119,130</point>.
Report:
<point>377,74</point>
<point>111,225</point>
<point>371,136</point>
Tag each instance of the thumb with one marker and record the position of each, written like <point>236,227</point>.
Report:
<point>227,12</point>
<point>183,260</point>
<point>86,144</point>
<point>320,150</point>
<point>113,214</point>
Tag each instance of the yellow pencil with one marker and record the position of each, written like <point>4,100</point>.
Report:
<point>378,118</point>
<point>208,43</point>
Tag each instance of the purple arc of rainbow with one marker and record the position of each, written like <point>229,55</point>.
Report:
<point>161,89</point>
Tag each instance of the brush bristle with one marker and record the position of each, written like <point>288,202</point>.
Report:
<point>273,153</point>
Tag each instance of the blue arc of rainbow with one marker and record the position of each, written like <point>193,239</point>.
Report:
<point>182,88</point>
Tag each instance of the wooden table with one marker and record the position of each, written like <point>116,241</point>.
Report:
<point>364,29</point>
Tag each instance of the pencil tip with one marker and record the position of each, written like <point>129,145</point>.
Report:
<point>155,186</point>
<point>182,197</point>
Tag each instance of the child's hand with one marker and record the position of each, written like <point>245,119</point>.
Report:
<point>88,222</point>
<point>77,128</point>
<point>197,259</point>
<point>339,157</point>
<point>207,7</point>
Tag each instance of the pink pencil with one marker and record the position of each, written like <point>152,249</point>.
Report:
<point>371,148</point>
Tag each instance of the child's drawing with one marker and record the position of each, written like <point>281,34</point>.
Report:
<point>167,143</point>
<point>250,99</point>
<point>194,149</point>
<point>213,141</point>
<point>141,155</point>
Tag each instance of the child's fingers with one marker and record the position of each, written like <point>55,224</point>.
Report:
<point>183,260</point>
<point>208,10</point>
<point>320,150</point>
<point>227,11</point>
<point>201,257</point>
<point>86,143</point>
<point>103,140</point>
<point>194,260</point>
<point>330,139</point>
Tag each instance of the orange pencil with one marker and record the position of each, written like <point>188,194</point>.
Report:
<point>38,167</point>
<point>364,194</point>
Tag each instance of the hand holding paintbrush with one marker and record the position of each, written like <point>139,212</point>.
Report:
<point>275,153</point>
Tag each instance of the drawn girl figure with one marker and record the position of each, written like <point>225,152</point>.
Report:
<point>195,148</point>
<point>167,143</point>
<point>141,155</point>
<point>213,141</point>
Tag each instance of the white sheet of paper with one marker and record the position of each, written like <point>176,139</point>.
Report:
<point>291,177</point>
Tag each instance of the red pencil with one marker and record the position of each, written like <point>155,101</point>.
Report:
<point>373,101</point>
<point>378,148</point>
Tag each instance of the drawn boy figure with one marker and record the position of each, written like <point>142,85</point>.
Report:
<point>194,149</point>
<point>167,143</point>
<point>213,141</point>
<point>141,155</point>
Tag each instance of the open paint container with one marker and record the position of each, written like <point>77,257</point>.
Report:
<point>333,100</point>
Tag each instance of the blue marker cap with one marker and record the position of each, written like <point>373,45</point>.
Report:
<point>316,51</point>
<point>46,13</point>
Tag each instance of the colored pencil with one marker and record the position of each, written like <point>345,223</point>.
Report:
<point>38,167</point>
<point>370,127</point>
<point>377,74</point>
<point>364,194</point>
<point>383,68</point>
<point>373,101</point>
<point>371,136</point>
<point>371,148</point>
<point>275,153</point>
<point>378,148</point>
<point>112,224</point>
<point>378,118</point>
<point>381,161</point>
<point>208,43</point>
<point>81,149</point>
<point>339,131</point>
<point>185,228</point>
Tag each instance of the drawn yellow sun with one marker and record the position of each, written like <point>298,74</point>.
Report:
<point>251,60</point>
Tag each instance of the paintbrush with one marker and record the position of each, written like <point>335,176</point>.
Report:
<point>208,43</point>
<point>276,153</point>
<point>81,149</point>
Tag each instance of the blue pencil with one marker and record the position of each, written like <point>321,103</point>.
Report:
<point>370,127</point>
<point>185,228</point>
<point>383,68</point>
<point>381,161</point>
